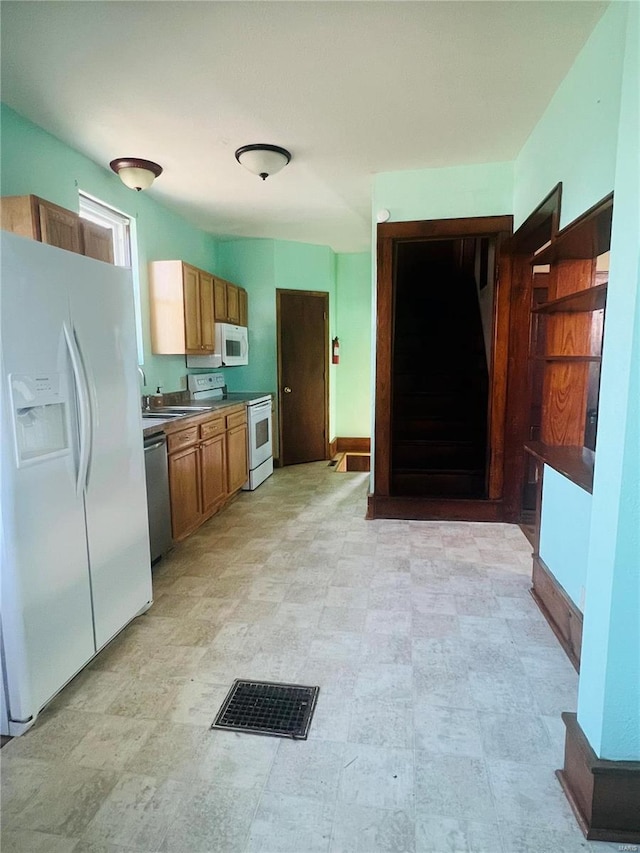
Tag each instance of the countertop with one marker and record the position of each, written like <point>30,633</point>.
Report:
<point>231,401</point>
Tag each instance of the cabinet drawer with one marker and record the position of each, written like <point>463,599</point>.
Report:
<point>212,428</point>
<point>182,439</point>
<point>236,419</point>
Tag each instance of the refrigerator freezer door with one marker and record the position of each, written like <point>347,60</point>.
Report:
<point>47,628</point>
<point>102,316</point>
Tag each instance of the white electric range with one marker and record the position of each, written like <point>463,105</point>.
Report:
<point>211,387</point>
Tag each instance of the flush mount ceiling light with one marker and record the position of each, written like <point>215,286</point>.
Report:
<point>135,173</point>
<point>263,160</point>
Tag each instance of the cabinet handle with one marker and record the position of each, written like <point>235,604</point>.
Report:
<point>287,390</point>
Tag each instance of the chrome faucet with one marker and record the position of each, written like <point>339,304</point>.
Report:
<point>142,376</point>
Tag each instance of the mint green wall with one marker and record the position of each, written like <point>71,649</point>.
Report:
<point>609,696</point>
<point>589,139</point>
<point>262,266</point>
<point>575,140</point>
<point>34,162</point>
<point>564,538</point>
<point>476,190</point>
<point>353,328</point>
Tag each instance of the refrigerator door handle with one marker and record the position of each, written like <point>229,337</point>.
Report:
<point>84,408</point>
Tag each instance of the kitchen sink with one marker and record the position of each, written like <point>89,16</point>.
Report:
<point>164,415</point>
<point>183,410</point>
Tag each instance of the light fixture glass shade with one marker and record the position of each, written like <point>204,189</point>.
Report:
<point>263,160</point>
<point>135,173</point>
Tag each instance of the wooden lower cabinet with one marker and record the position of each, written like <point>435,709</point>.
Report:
<point>207,466</point>
<point>213,464</point>
<point>237,462</point>
<point>184,485</point>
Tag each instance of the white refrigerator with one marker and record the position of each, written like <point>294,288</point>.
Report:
<point>74,549</point>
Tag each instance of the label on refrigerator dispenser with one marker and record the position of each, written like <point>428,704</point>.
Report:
<point>39,417</point>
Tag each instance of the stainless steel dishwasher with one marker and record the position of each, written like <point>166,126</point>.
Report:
<point>155,463</point>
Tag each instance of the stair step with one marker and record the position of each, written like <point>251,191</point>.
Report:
<point>459,484</point>
<point>432,429</point>
<point>437,454</point>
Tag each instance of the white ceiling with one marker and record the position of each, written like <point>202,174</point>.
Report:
<point>350,88</point>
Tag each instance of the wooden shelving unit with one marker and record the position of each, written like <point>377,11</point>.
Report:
<point>567,341</point>
<point>575,463</point>
<point>592,299</point>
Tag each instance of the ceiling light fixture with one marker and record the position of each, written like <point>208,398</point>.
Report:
<point>135,173</point>
<point>263,160</point>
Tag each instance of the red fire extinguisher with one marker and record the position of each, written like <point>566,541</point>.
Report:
<point>335,351</point>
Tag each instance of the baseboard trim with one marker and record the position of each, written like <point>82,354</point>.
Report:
<point>433,509</point>
<point>333,448</point>
<point>564,618</point>
<point>351,445</point>
<point>604,795</point>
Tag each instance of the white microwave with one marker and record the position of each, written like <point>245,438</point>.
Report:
<point>232,344</point>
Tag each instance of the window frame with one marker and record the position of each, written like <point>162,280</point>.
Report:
<point>125,248</point>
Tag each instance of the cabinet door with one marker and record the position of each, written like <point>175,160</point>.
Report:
<point>206,312</point>
<point>192,327</point>
<point>233,304</point>
<point>184,489</point>
<point>97,242</point>
<point>59,227</point>
<point>244,307</point>
<point>214,475</point>
<point>220,300</point>
<point>237,465</point>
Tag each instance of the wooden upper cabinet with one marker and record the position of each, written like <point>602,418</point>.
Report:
<point>233,305</point>
<point>230,303</point>
<point>207,332</point>
<point>31,216</point>
<point>181,307</point>
<point>97,241</point>
<point>243,307</point>
<point>192,318</point>
<point>220,300</point>
<point>185,304</point>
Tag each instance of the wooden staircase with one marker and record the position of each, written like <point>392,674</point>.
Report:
<point>440,384</point>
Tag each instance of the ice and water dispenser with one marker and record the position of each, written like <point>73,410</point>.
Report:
<point>39,405</point>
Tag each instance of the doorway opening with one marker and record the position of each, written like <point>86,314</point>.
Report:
<point>442,336</point>
<point>303,375</point>
<point>443,291</point>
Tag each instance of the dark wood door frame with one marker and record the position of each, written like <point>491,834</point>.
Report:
<point>535,231</point>
<point>325,297</point>
<point>381,502</point>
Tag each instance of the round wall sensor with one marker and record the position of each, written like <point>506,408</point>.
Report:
<point>383,215</point>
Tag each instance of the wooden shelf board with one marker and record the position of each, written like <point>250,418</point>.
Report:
<point>591,299</point>
<point>586,237</point>
<point>575,463</point>
<point>577,359</point>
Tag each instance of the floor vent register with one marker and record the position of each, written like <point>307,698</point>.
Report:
<point>268,708</point>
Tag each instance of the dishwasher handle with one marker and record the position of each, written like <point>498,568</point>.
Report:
<point>154,445</point>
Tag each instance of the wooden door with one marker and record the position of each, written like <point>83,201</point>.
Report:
<point>233,304</point>
<point>303,388</point>
<point>184,487</point>
<point>59,227</point>
<point>213,460</point>
<point>206,311</point>
<point>220,300</point>
<point>192,327</point>
<point>243,301</point>
<point>237,464</point>
<point>97,241</point>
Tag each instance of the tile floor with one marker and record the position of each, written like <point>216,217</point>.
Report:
<point>437,727</point>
